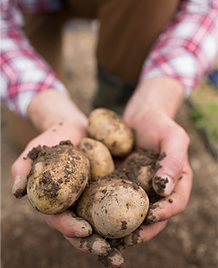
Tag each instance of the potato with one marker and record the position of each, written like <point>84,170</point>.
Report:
<point>141,167</point>
<point>101,162</point>
<point>109,128</point>
<point>57,178</point>
<point>114,207</point>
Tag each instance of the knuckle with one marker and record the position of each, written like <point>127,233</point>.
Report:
<point>176,165</point>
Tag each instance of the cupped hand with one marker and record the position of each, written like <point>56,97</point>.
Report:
<point>76,230</point>
<point>154,130</point>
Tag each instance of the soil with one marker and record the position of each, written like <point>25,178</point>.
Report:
<point>188,241</point>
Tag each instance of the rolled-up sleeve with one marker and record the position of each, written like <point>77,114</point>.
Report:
<point>188,46</point>
<point>24,73</point>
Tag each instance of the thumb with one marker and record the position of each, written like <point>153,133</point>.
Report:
<point>175,145</point>
<point>19,170</point>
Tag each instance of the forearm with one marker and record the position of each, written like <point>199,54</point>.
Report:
<point>150,112</point>
<point>161,94</point>
<point>52,107</point>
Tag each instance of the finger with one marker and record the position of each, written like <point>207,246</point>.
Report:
<point>144,233</point>
<point>19,170</point>
<point>22,166</point>
<point>114,259</point>
<point>176,202</point>
<point>19,186</point>
<point>68,224</point>
<point>174,143</point>
<point>93,244</point>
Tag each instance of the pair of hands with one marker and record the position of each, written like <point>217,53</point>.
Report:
<point>150,113</point>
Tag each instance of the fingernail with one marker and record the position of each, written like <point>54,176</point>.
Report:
<point>163,185</point>
<point>113,259</point>
<point>100,247</point>
<point>19,186</point>
<point>77,234</point>
<point>83,228</point>
<point>93,244</point>
<point>151,218</point>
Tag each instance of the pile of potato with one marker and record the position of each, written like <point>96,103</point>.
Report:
<point>114,201</point>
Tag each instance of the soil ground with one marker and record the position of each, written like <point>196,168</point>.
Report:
<point>188,241</point>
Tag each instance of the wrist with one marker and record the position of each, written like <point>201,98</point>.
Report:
<point>159,94</point>
<point>52,107</point>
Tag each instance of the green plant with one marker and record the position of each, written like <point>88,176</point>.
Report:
<point>204,113</point>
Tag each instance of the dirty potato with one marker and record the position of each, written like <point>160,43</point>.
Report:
<point>114,207</point>
<point>58,176</point>
<point>141,167</point>
<point>101,162</point>
<point>109,128</point>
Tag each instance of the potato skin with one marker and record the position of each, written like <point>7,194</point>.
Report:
<point>109,128</point>
<point>101,162</point>
<point>140,168</point>
<point>114,207</point>
<point>57,178</point>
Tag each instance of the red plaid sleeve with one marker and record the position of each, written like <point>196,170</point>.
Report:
<point>188,46</point>
<point>23,72</point>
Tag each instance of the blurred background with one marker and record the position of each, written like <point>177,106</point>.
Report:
<point>189,240</point>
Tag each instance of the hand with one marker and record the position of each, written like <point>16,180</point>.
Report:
<point>77,231</point>
<point>59,125</point>
<point>155,129</point>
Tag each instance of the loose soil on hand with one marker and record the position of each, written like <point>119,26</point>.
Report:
<point>188,241</point>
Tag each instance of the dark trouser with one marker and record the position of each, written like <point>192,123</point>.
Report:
<point>128,29</point>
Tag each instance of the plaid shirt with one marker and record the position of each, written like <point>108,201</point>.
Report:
<point>188,46</point>
<point>185,50</point>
